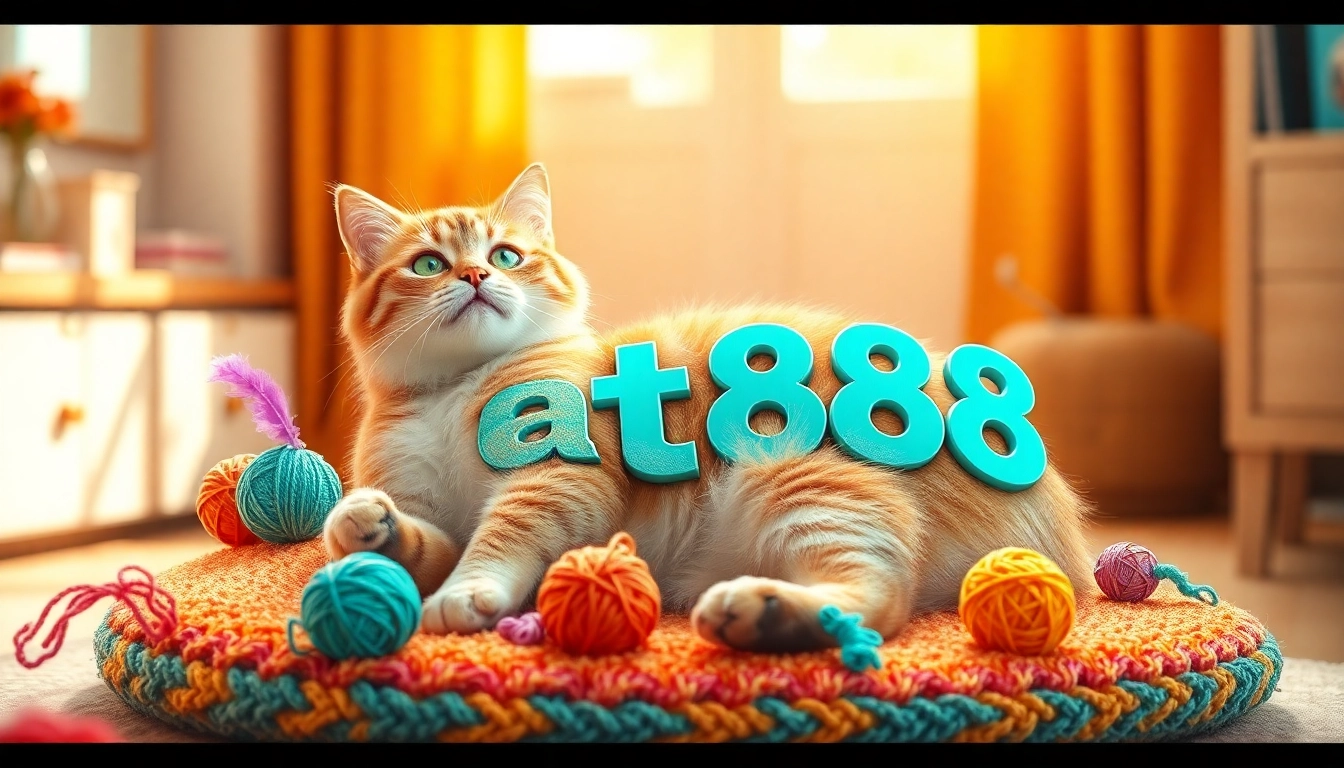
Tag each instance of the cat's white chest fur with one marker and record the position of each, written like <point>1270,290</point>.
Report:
<point>437,460</point>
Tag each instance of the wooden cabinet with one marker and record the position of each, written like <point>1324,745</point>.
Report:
<point>116,369</point>
<point>1284,272</point>
<point>106,418</point>
<point>42,423</point>
<point>75,413</point>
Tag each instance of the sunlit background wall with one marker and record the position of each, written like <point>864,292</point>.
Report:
<point>826,164</point>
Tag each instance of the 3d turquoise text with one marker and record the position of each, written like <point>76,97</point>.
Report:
<point>638,389</point>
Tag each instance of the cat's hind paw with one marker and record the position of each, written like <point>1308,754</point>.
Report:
<point>761,615</point>
<point>364,521</point>
<point>470,605</point>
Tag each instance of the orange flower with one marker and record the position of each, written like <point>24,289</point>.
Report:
<point>18,103</point>
<point>55,116</point>
<point>23,113</point>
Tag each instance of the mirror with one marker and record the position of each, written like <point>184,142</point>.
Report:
<point>104,69</point>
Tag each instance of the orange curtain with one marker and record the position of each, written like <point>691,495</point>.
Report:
<point>1099,167</point>
<point>422,117</point>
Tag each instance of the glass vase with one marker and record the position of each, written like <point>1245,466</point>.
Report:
<point>32,204</point>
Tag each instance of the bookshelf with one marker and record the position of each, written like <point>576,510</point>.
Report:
<point>139,290</point>
<point>1306,145</point>
<point>1284,305</point>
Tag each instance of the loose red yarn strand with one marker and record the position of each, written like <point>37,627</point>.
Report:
<point>160,604</point>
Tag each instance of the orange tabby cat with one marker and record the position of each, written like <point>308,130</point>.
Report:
<point>448,307</point>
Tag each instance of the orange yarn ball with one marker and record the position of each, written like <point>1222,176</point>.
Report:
<point>599,600</point>
<point>1017,600</point>
<point>217,503</point>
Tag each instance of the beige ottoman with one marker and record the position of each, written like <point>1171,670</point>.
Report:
<point>1129,410</point>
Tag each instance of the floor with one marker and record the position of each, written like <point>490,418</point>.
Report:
<point>1303,604</point>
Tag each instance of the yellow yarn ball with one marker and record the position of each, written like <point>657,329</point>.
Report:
<point>1017,600</point>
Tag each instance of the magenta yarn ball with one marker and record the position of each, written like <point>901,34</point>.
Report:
<point>1124,571</point>
<point>522,630</point>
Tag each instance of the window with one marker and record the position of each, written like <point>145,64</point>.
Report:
<point>59,53</point>
<point>825,63</point>
<point>660,65</point>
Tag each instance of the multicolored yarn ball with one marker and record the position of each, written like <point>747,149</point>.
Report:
<point>522,630</point>
<point>1124,571</point>
<point>599,600</point>
<point>217,502</point>
<point>364,605</point>
<point>1017,600</point>
<point>286,493</point>
<point>1128,572</point>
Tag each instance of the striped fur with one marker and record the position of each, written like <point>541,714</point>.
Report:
<point>752,549</point>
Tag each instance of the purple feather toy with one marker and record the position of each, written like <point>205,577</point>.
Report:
<point>265,398</point>
<point>286,492</point>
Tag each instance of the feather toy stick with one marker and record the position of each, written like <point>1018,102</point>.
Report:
<point>265,398</point>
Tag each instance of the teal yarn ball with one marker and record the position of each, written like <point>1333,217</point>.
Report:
<point>364,605</point>
<point>285,494</point>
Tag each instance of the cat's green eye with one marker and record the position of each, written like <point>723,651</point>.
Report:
<point>505,258</point>
<point>428,264</point>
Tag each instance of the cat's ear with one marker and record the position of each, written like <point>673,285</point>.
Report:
<point>366,225</point>
<point>527,203</point>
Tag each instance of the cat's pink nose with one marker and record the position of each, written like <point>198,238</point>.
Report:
<point>474,275</point>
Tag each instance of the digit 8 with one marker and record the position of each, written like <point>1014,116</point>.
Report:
<point>899,390</point>
<point>748,392</point>
<point>977,409</point>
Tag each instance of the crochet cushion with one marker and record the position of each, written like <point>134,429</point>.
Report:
<point>1160,669</point>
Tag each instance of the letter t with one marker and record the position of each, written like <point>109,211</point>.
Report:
<point>638,390</point>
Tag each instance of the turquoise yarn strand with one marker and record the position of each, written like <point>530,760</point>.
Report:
<point>1197,591</point>
<point>294,621</point>
<point>285,494</point>
<point>364,605</point>
<point>858,644</point>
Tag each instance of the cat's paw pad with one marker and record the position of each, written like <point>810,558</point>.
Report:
<point>365,520</point>
<point>465,607</point>
<point>763,615</point>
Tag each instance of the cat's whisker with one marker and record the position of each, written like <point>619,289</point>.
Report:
<point>441,311</point>
<point>591,292</point>
<point>420,341</point>
<point>405,329</point>
<point>388,337</point>
<point>391,337</point>
<point>542,311</point>
<point>345,363</point>
<point>429,316</point>
<point>413,209</point>
<point>534,303</point>
<point>386,340</point>
<point>532,321</point>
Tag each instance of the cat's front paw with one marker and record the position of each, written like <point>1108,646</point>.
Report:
<point>365,520</point>
<point>763,615</point>
<point>468,606</point>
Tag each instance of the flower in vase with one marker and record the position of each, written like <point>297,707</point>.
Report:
<point>23,113</point>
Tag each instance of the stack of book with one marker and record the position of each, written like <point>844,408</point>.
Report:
<point>1299,77</point>
<point>39,257</point>
<point>182,252</point>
